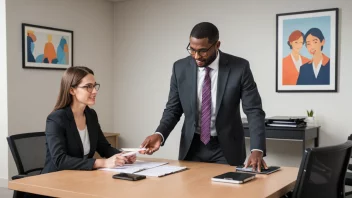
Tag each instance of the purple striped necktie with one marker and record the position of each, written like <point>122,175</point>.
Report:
<point>206,108</point>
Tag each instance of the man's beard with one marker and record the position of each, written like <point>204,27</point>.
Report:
<point>210,60</point>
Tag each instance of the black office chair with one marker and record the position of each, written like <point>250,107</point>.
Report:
<point>348,181</point>
<point>322,172</point>
<point>28,151</point>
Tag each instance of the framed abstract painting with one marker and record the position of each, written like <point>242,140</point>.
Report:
<point>46,47</point>
<point>307,51</point>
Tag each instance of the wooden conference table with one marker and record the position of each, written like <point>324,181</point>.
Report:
<point>194,182</point>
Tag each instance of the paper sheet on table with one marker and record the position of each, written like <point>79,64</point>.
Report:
<point>135,167</point>
<point>161,171</point>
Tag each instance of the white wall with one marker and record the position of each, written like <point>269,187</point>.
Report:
<point>33,93</point>
<point>3,98</point>
<point>151,35</point>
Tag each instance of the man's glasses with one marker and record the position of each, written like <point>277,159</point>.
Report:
<point>201,52</point>
<point>90,87</point>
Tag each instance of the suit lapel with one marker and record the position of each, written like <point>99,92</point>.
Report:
<point>223,74</point>
<point>192,78</point>
<point>91,131</point>
<point>73,128</point>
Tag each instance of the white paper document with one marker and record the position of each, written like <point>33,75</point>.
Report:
<point>133,149</point>
<point>129,153</point>
<point>135,167</point>
<point>161,171</point>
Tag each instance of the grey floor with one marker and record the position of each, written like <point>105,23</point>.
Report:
<point>6,193</point>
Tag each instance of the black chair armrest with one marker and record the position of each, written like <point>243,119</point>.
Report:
<point>19,176</point>
<point>288,195</point>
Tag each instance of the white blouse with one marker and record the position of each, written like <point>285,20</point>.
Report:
<point>85,140</point>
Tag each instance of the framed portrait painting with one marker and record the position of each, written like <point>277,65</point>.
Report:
<point>46,47</point>
<point>306,51</point>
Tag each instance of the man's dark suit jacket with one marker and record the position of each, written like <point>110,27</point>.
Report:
<point>64,145</point>
<point>235,83</point>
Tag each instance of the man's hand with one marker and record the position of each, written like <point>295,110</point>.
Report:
<point>151,143</point>
<point>256,161</point>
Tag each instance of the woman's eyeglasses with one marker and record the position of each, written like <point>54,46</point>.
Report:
<point>90,87</point>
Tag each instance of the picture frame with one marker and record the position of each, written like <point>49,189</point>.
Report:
<point>46,47</point>
<point>307,51</point>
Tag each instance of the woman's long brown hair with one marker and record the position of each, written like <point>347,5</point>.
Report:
<point>71,78</point>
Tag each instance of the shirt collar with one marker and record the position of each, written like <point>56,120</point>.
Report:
<point>319,64</point>
<point>293,58</point>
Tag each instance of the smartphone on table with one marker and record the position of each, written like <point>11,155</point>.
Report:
<point>129,176</point>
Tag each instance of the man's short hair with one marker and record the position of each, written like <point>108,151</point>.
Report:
<point>205,30</point>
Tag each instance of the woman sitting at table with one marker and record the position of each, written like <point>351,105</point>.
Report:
<point>73,133</point>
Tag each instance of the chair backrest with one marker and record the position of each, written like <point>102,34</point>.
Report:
<point>322,172</point>
<point>28,151</point>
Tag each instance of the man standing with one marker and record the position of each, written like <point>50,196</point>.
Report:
<point>207,87</point>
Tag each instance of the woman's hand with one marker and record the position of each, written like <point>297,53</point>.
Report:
<point>131,159</point>
<point>115,160</point>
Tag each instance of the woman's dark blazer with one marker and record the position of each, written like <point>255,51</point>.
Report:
<point>64,148</point>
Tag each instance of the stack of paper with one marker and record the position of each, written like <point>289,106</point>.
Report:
<point>154,169</point>
<point>286,121</point>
